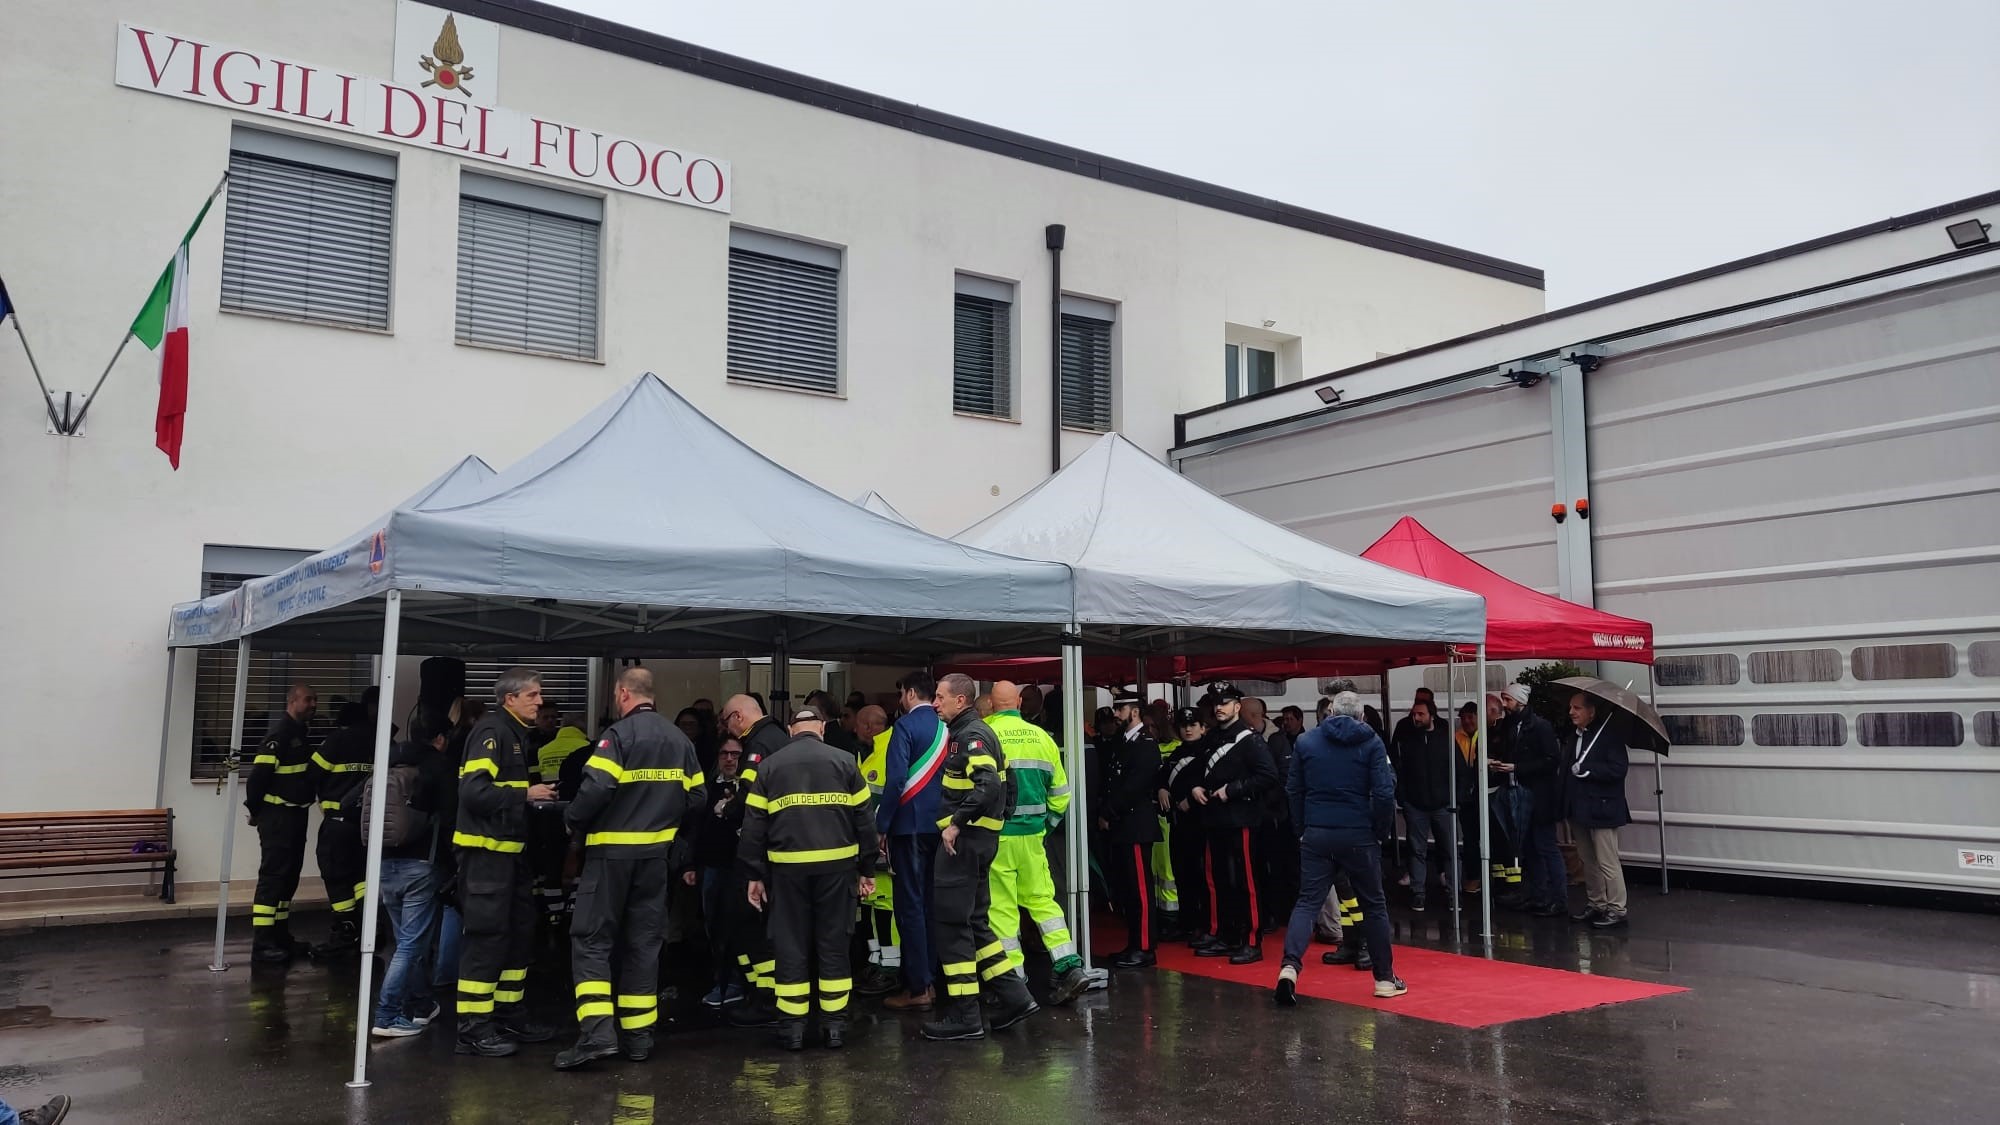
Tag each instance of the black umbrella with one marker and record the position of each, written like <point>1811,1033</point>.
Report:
<point>1643,727</point>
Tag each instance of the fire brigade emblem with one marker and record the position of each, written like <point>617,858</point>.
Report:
<point>447,70</point>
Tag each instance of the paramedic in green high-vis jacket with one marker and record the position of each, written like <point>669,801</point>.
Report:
<point>1021,878</point>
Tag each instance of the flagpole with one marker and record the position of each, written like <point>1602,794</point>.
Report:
<point>48,403</point>
<point>77,422</point>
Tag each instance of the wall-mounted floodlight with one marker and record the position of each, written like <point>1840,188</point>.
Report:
<point>1970,233</point>
<point>1328,395</point>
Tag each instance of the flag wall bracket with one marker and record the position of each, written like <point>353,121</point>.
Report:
<point>63,420</point>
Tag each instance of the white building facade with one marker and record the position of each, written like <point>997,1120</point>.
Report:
<point>438,241</point>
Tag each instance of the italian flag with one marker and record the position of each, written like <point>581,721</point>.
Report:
<point>164,321</point>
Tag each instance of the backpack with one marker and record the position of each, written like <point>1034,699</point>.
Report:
<point>402,822</point>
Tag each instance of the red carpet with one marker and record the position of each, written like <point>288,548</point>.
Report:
<point>1444,987</point>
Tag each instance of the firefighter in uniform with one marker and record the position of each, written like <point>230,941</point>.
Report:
<point>808,850</point>
<point>1179,773</point>
<point>760,736</point>
<point>1021,879</point>
<point>974,809</point>
<point>639,786</point>
<point>1231,793</point>
<point>1132,822</point>
<point>496,886</point>
<point>340,770</point>
<point>278,793</point>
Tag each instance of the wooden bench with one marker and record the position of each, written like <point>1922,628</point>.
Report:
<point>80,843</point>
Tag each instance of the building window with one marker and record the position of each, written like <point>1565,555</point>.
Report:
<point>1086,363</point>
<point>306,232</point>
<point>784,312</point>
<point>1799,730</point>
<point>1905,662</point>
<point>271,676</point>
<point>1704,730</point>
<point>1986,728</point>
<point>1910,728</point>
<point>1707,670</point>
<point>1795,666</point>
<point>565,682</point>
<point>982,351</point>
<point>1985,658</point>
<point>1248,370</point>
<point>527,267</point>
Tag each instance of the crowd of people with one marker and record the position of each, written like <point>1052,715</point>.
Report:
<point>898,849</point>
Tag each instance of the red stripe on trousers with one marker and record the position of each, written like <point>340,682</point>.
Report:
<point>1208,872</point>
<point>1250,881</point>
<point>1145,935</point>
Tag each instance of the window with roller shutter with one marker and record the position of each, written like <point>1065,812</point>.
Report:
<point>272,674</point>
<point>982,359</point>
<point>1087,363</point>
<point>306,232</point>
<point>528,267</point>
<point>784,313</point>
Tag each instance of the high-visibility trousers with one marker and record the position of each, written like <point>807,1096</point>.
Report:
<point>343,863</point>
<point>614,946</point>
<point>496,898</point>
<point>1021,880</point>
<point>281,840</point>
<point>962,915</point>
<point>1166,893</point>
<point>812,918</point>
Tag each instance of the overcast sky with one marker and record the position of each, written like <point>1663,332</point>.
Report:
<point>1611,144</point>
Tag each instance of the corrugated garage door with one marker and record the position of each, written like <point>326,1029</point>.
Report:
<point>1810,513</point>
<point>1474,467</point>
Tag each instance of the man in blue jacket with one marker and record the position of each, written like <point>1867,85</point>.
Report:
<point>907,816</point>
<point>1342,794</point>
<point>1594,785</point>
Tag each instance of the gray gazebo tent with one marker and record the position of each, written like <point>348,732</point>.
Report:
<point>643,530</point>
<point>1161,564</point>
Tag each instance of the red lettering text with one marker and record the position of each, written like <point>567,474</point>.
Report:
<point>540,144</point>
<point>458,126</point>
<point>596,140</point>
<point>715,174</point>
<point>671,186</point>
<point>194,71</point>
<point>346,98</point>
<point>154,73</point>
<point>485,114</point>
<point>256,89</point>
<point>389,113</point>
<point>611,163</point>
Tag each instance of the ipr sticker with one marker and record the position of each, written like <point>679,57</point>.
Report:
<point>1977,859</point>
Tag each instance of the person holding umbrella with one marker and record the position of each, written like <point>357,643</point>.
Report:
<point>1594,782</point>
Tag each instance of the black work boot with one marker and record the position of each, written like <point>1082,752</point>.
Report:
<point>585,1053</point>
<point>343,940</point>
<point>484,1039</point>
<point>285,939</point>
<point>959,1021</point>
<point>792,1033</point>
<point>1015,1002</point>
<point>833,1033</point>
<point>269,951</point>
<point>636,1045</point>
<point>1348,953</point>
<point>517,1026</point>
<point>754,1012</point>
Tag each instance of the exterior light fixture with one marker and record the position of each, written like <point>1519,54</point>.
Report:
<point>1967,234</point>
<point>1558,512</point>
<point>1328,395</point>
<point>1582,508</point>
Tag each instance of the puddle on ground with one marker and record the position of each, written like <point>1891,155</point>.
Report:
<point>37,1015</point>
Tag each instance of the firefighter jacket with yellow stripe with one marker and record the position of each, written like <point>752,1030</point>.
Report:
<point>809,810</point>
<point>493,785</point>
<point>640,785</point>
<point>341,767</point>
<point>1035,767</point>
<point>281,772</point>
<point>975,775</point>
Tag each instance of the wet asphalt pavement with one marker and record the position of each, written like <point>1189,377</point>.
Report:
<point>1799,1012</point>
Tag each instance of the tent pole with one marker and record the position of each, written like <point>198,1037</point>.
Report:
<point>229,767</point>
<point>1659,786</point>
<point>1457,875</point>
<point>1388,727</point>
<point>781,674</point>
<point>594,691</point>
<point>166,722</point>
<point>378,784</point>
<point>1485,818</point>
<point>1079,801</point>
